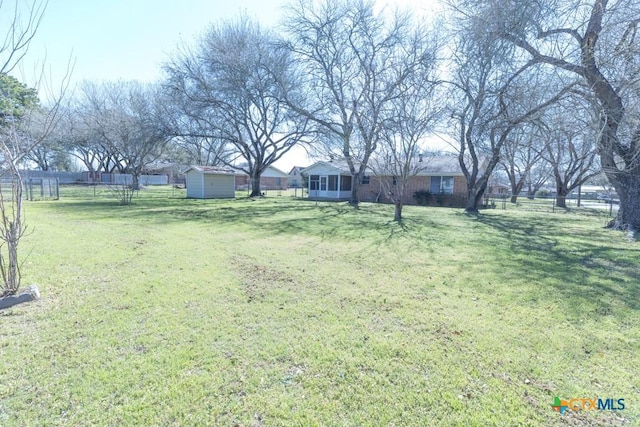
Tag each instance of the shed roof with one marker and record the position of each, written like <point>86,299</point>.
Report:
<point>213,170</point>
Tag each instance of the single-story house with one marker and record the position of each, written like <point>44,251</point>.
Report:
<point>296,180</point>
<point>440,182</point>
<point>173,171</point>
<point>272,179</point>
<point>496,189</point>
<point>210,182</point>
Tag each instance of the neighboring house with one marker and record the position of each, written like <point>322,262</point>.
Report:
<point>173,171</point>
<point>496,189</point>
<point>440,182</point>
<point>296,180</point>
<point>272,179</point>
<point>210,182</point>
<point>596,192</point>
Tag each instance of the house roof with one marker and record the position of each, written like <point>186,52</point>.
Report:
<point>274,171</point>
<point>270,171</point>
<point>299,168</point>
<point>440,165</point>
<point>213,170</point>
<point>340,166</point>
<point>430,165</point>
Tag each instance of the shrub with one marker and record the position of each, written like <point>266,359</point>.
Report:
<point>423,197</point>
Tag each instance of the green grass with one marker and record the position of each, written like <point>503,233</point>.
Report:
<point>288,312</point>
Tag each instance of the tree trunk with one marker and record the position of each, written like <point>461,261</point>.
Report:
<point>474,196</point>
<point>561,196</point>
<point>355,185</point>
<point>628,188</point>
<point>255,186</point>
<point>516,187</point>
<point>531,192</point>
<point>561,201</point>
<point>398,212</point>
<point>135,181</point>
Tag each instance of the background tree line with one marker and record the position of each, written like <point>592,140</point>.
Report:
<point>532,88</point>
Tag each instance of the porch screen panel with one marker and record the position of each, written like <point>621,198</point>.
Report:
<point>333,182</point>
<point>345,183</point>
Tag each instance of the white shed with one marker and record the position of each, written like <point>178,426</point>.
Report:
<point>210,182</point>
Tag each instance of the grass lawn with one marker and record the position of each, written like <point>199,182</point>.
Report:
<point>175,312</point>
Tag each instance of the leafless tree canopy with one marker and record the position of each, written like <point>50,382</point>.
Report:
<point>597,42</point>
<point>117,123</point>
<point>355,62</point>
<point>232,84</point>
<point>495,92</point>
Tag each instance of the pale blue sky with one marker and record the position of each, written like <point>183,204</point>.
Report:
<point>130,39</point>
<point>126,39</point>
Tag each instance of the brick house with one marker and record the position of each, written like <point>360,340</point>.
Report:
<point>440,183</point>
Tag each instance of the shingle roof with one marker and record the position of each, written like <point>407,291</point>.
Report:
<point>430,165</point>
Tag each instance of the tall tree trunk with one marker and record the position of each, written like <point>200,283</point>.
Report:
<point>135,181</point>
<point>561,201</point>
<point>255,185</point>
<point>628,188</point>
<point>475,193</point>
<point>398,212</point>
<point>516,189</point>
<point>561,195</point>
<point>355,186</point>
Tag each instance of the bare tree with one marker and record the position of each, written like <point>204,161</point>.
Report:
<point>74,137</point>
<point>570,149</point>
<point>123,118</point>
<point>354,61</point>
<point>411,117</point>
<point>494,94</point>
<point>596,41</point>
<point>15,141</point>
<point>232,81</point>
<point>25,19</point>
<point>538,176</point>
<point>520,153</point>
<point>191,134</point>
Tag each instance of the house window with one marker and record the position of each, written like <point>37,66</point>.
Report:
<point>441,185</point>
<point>365,179</point>
<point>395,180</point>
<point>314,182</point>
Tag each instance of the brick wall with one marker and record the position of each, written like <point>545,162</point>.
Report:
<point>378,187</point>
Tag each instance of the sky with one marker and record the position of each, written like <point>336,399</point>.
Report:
<point>103,40</point>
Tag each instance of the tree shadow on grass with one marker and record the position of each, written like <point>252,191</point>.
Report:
<point>267,216</point>
<point>584,271</point>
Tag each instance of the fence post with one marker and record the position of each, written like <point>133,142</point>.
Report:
<point>57,188</point>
